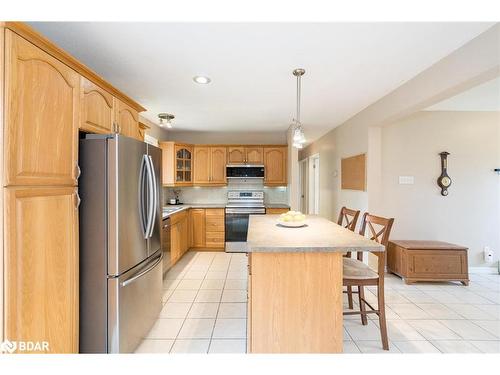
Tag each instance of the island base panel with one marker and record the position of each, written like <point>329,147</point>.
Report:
<point>295,303</point>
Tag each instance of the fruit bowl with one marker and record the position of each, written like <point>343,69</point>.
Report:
<point>292,219</point>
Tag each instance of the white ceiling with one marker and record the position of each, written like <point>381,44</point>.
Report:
<point>485,97</point>
<point>348,67</point>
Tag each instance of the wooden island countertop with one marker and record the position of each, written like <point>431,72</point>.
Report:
<point>295,284</point>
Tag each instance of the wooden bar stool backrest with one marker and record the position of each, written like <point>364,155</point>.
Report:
<point>380,230</point>
<point>348,218</point>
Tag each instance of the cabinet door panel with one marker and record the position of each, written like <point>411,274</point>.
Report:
<point>127,120</point>
<point>41,116</point>
<point>41,270</point>
<point>254,155</point>
<point>275,165</point>
<point>218,165</point>
<point>198,227</point>
<point>236,155</point>
<point>175,243</point>
<point>201,165</point>
<point>96,107</point>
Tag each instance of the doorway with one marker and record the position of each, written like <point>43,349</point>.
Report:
<point>309,185</point>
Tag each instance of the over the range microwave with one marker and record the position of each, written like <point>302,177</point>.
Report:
<point>245,171</point>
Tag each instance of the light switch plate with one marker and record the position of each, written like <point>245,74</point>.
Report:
<point>406,180</point>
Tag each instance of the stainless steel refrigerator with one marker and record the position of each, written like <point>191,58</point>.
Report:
<point>120,247</point>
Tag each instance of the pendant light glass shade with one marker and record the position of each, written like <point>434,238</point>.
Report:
<point>298,132</point>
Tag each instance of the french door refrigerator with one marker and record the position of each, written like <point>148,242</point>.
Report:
<point>120,247</point>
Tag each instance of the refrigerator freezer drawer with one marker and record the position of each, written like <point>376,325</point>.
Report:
<point>134,303</point>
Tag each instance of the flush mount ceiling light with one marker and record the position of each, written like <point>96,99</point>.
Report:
<point>168,117</point>
<point>202,80</point>
<point>298,132</point>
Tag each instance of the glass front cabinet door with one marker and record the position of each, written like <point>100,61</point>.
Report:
<point>183,162</point>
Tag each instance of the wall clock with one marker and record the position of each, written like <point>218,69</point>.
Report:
<point>444,181</point>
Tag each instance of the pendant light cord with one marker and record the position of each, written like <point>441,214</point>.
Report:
<point>298,98</point>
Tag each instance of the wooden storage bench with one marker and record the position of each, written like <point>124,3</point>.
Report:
<point>427,261</point>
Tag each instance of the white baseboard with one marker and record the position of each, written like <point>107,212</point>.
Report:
<point>485,270</point>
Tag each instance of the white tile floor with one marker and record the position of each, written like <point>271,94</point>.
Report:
<point>205,307</point>
<point>205,312</point>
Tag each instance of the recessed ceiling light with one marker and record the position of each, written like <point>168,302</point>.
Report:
<point>202,80</point>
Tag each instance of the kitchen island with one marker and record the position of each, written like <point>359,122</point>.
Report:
<point>295,284</point>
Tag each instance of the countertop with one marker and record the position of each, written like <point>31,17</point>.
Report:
<point>175,208</point>
<point>319,235</point>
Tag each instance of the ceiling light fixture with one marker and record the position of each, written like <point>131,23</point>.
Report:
<point>168,117</point>
<point>298,132</point>
<point>202,80</point>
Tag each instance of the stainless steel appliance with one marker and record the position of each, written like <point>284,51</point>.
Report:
<point>245,171</point>
<point>240,205</point>
<point>120,247</point>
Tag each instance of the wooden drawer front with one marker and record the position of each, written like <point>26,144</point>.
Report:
<point>214,224</point>
<point>432,264</point>
<point>214,239</point>
<point>175,218</point>
<point>215,212</point>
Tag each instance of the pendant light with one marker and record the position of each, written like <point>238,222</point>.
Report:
<point>298,132</point>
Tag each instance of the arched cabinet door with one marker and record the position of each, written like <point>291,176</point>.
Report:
<point>127,120</point>
<point>218,165</point>
<point>275,165</point>
<point>201,165</point>
<point>41,116</point>
<point>96,107</point>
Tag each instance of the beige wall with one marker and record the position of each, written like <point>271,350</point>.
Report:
<point>341,142</point>
<point>470,214</point>
<point>244,138</point>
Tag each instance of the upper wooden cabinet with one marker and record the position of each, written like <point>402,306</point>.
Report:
<point>209,165</point>
<point>42,107</point>
<point>127,120</point>
<point>97,114</point>
<point>275,165</point>
<point>177,164</point>
<point>254,155</point>
<point>245,155</point>
<point>235,155</point>
<point>41,266</point>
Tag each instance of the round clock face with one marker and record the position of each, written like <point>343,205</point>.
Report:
<point>446,181</point>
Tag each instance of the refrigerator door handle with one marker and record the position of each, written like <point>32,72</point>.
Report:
<point>142,196</point>
<point>151,198</point>
<point>155,196</point>
<point>142,273</point>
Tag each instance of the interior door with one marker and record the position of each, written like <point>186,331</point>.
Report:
<point>127,245</point>
<point>155,239</point>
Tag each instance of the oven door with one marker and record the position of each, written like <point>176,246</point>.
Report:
<point>237,222</point>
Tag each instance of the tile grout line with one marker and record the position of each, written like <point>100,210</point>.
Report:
<point>220,301</point>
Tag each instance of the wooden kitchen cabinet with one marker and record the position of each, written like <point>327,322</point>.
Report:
<point>275,165</point>
<point>42,107</point>
<point>127,120</point>
<point>197,227</point>
<point>245,155</point>
<point>209,165</point>
<point>179,235</point>
<point>97,111</point>
<point>254,155</point>
<point>177,164</point>
<point>214,228</point>
<point>275,210</point>
<point>41,266</point>
<point>236,155</point>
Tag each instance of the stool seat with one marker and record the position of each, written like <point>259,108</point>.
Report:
<point>355,269</point>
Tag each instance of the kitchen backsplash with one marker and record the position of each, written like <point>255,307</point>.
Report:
<point>198,194</point>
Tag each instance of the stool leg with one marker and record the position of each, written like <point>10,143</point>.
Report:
<point>381,318</point>
<point>349,297</point>
<point>362,307</point>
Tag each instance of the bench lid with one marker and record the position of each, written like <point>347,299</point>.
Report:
<point>427,245</point>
